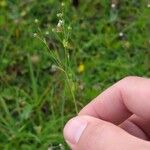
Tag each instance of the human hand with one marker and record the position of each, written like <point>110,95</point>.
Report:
<point>118,119</point>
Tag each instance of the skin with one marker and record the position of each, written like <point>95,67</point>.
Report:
<point>117,119</point>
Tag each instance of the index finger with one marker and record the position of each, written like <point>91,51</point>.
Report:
<point>129,96</point>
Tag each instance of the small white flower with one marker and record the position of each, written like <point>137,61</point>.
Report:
<point>59,15</point>
<point>113,5</point>
<point>148,5</point>
<point>36,20</point>
<point>61,146</point>
<point>68,56</point>
<point>81,86</point>
<point>54,68</point>
<point>121,34</point>
<point>47,32</point>
<point>35,34</point>
<point>53,30</point>
<point>35,59</point>
<point>50,148</point>
<point>60,23</point>
<point>62,4</point>
<point>65,43</point>
<point>69,28</point>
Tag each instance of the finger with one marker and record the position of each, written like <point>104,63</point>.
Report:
<point>143,124</point>
<point>129,96</point>
<point>88,133</point>
<point>134,129</point>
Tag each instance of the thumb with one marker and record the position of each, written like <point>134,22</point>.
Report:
<point>88,133</point>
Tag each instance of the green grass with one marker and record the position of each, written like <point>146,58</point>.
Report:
<point>40,86</point>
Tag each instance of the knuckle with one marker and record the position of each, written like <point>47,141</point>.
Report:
<point>128,79</point>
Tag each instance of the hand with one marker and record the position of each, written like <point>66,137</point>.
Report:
<point>118,119</point>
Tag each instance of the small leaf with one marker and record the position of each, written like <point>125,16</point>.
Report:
<point>26,112</point>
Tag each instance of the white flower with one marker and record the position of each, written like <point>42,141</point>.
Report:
<point>69,28</point>
<point>61,146</point>
<point>65,43</point>
<point>60,23</point>
<point>62,4</point>
<point>113,5</point>
<point>35,34</point>
<point>47,32</point>
<point>59,15</point>
<point>121,34</point>
<point>50,148</point>
<point>36,20</point>
<point>148,5</point>
<point>54,68</point>
<point>53,30</point>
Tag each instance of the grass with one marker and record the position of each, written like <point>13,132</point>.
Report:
<point>47,77</point>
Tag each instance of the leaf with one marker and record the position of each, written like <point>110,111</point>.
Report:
<point>26,112</point>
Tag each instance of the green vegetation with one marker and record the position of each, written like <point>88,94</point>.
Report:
<point>50,70</point>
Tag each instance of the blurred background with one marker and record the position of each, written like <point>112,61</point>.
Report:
<point>56,56</point>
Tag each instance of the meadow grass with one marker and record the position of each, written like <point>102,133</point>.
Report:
<point>55,58</point>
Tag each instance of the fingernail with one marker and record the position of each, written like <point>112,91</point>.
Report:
<point>74,129</point>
